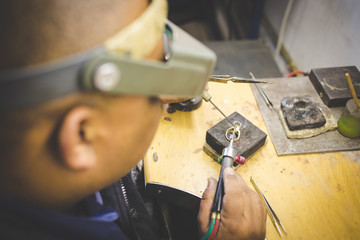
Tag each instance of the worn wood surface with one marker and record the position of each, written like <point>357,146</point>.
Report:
<point>315,195</point>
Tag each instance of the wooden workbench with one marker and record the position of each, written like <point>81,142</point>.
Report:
<point>315,195</point>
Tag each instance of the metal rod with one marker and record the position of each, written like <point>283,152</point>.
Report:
<point>222,113</point>
<point>207,97</point>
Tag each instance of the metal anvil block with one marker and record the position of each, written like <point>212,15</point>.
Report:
<point>251,137</point>
<point>302,113</point>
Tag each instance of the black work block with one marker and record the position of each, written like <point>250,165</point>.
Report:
<point>302,113</point>
<point>332,86</point>
<point>251,137</point>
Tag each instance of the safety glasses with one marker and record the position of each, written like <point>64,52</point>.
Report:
<point>119,66</point>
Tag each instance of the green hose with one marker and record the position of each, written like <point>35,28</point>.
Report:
<point>211,226</point>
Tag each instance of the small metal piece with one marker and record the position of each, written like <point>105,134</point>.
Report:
<point>233,131</point>
<point>227,78</point>
<point>273,217</point>
<point>106,76</point>
<point>262,93</point>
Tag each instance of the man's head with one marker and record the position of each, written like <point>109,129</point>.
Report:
<point>74,126</point>
<point>58,152</point>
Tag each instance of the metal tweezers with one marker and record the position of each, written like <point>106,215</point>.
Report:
<point>228,78</point>
<point>263,94</point>
<point>273,217</point>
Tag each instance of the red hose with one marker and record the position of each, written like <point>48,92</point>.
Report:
<point>296,72</point>
<point>215,229</point>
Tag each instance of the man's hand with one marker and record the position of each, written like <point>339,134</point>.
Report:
<point>243,214</point>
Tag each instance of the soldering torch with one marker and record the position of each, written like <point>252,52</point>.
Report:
<point>228,157</point>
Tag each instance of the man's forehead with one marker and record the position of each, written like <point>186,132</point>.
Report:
<point>36,32</point>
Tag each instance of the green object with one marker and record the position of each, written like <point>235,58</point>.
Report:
<point>220,159</point>
<point>211,226</point>
<point>349,121</point>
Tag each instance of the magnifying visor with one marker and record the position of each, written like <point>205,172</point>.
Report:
<point>119,66</point>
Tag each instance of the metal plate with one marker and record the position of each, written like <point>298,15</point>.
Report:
<point>276,90</point>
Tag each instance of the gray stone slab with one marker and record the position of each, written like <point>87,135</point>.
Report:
<point>276,90</point>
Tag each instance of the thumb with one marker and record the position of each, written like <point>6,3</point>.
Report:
<point>206,205</point>
<point>233,182</point>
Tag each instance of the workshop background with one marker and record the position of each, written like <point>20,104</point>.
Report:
<point>270,38</point>
<point>314,33</point>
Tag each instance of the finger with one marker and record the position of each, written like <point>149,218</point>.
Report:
<point>206,205</point>
<point>235,190</point>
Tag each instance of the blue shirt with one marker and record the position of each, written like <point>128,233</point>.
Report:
<point>21,221</point>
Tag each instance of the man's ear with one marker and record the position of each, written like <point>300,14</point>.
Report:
<point>76,137</point>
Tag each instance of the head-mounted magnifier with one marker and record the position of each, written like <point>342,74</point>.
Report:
<point>119,66</point>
